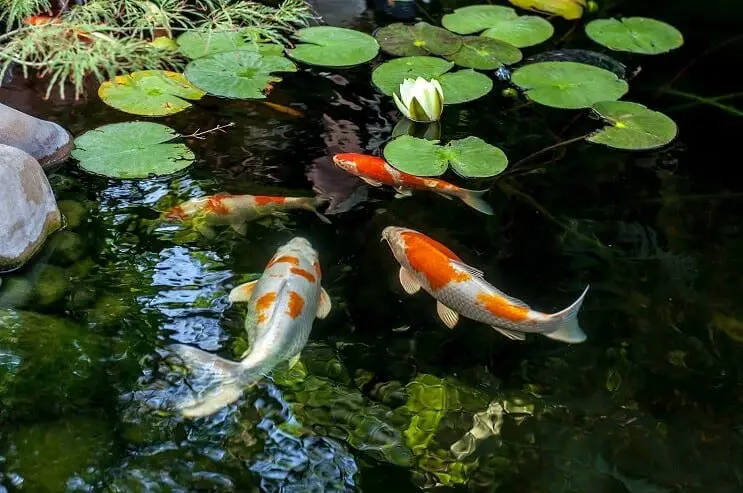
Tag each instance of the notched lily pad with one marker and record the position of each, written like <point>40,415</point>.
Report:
<point>197,44</point>
<point>417,40</point>
<point>237,74</point>
<point>485,53</point>
<point>131,150</point>
<point>328,46</point>
<point>522,31</point>
<point>635,34</point>
<point>474,158</point>
<point>464,86</point>
<point>568,85</point>
<point>149,93</point>
<point>420,157</point>
<point>632,126</point>
<point>475,18</point>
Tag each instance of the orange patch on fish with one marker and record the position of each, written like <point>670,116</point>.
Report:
<point>296,304</point>
<point>176,212</point>
<point>432,259</point>
<point>303,273</point>
<point>263,304</point>
<point>500,307</point>
<point>38,20</point>
<point>372,167</point>
<point>215,204</point>
<point>267,200</point>
<point>287,259</point>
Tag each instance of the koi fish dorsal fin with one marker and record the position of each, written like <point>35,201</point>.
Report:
<point>468,268</point>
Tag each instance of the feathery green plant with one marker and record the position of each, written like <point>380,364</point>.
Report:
<point>12,12</point>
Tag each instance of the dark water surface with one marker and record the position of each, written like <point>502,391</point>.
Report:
<point>387,399</point>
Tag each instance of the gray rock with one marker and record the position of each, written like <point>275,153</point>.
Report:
<point>28,209</point>
<point>46,141</point>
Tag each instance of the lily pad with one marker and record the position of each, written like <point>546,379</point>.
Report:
<point>237,74</point>
<point>149,93</point>
<point>464,86</point>
<point>485,53</point>
<point>197,44</point>
<point>522,31</point>
<point>470,157</point>
<point>568,85</point>
<point>635,34</point>
<point>131,150</point>
<point>476,18</point>
<point>632,126</point>
<point>420,39</point>
<point>329,46</point>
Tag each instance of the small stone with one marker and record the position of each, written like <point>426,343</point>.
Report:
<point>46,141</point>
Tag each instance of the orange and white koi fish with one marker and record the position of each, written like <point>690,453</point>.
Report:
<point>376,172</point>
<point>237,210</point>
<point>282,305</point>
<point>461,290</point>
<point>40,20</point>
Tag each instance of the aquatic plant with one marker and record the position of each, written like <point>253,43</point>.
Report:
<point>420,100</point>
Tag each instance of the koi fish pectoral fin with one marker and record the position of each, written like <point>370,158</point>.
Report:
<point>511,334</point>
<point>240,228</point>
<point>324,304</point>
<point>372,182</point>
<point>402,193</point>
<point>447,315</point>
<point>243,292</point>
<point>409,283</point>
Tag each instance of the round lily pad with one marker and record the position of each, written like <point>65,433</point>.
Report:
<point>131,150</point>
<point>149,93</point>
<point>474,158</point>
<point>568,85</point>
<point>420,39</point>
<point>635,34</point>
<point>237,74</point>
<point>632,126</point>
<point>522,31</point>
<point>464,86</point>
<point>485,53</point>
<point>475,18</point>
<point>328,46</point>
<point>197,44</point>
<point>388,76</point>
<point>418,157</point>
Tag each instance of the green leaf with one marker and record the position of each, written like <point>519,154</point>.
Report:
<point>197,44</point>
<point>149,93</point>
<point>632,126</point>
<point>328,46</point>
<point>485,53</point>
<point>388,76</point>
<point>474,158</point>
<point>568,85</point>
<point>464,86</point>
<point>635,34</point>
<point>523,31</point>
<point>471,157</point>
<point>237,74</point>
<point>131,150</point>
<point>420,39</point>
<point>475,18</point>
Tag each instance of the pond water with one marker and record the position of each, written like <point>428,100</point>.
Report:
<point>385,398</point>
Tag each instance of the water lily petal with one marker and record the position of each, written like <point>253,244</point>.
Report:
<point>400,106</point>
<point>429,99</point>
<point>406,91</point>
<point>417,112</point>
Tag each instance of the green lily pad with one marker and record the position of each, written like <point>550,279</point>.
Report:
<point>470,157</point>
<point>485,53</point>
<point>635,34</point>
<point>328,46</point>
<point>568,85</point>
<point>237,74</point>
<point>632,126</point>
<point>131,150</point>
<point>197,44</point>
<point>476,18</point>
<point>420,39</point>
<point>149,93</point>
<point>464,86</point>
<point>522,31</point>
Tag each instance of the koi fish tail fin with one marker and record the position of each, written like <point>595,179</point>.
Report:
<point>312,206</point>
<point>568,329</point>
<point>214,382</point>
<point>476,200</point>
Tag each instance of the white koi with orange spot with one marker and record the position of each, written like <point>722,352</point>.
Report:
<point>282,305</point>
<point>460,289</point>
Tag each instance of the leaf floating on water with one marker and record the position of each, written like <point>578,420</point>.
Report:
<point>523,31</point>
<point>485,53</point>
<point>420,157</point>
<point>417,40</point>
<point>476,18</point>
<point>498,22</point>
<point>464,86</point>
<point>632,126</point>
<point>197,44</point>
<point>131,150</point>
<point>237,74</point>
<point>568,9</point>
<point>568,85</point>
<point>635,34</point>
<point>149,93</point>
<point>474,158</point>
<point>328,46</point>
<point>588,57</point>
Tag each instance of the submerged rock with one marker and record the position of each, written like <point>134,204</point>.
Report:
<point>28,209</point>
<point>46,141</point>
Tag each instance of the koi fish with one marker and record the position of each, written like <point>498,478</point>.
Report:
<point>237,210</point>
<point>460,289</point>
<point>376,172</point>
<point>40,20</point>
<point>282,305</point>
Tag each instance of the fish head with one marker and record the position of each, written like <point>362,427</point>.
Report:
<point>394,238</point>
<point>347,161</point>
<point>185,210</point>
<point>298,246</point>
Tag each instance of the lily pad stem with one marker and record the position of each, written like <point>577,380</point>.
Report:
<point>549,148</point>
<point>200,134</point>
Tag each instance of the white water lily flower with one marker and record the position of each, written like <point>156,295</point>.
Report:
<point>420,100</point>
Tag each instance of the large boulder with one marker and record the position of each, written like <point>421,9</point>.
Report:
<point>28,209</point>
<point>46,141</point>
